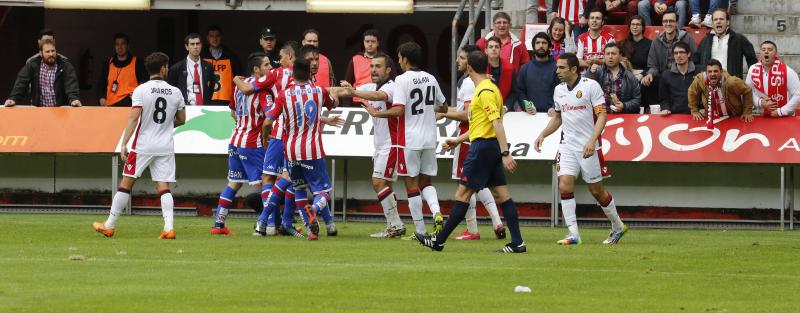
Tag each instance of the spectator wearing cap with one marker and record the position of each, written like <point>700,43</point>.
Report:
<point>193,76</point>
<point>226,65</point>
<point>49,79</point>
<point>512,49</point>
<point>268,42</point>
<point>673,87</point>
<point>121,74</point>
<point>537,79</point>
<point>726,46</point>
<point>620,87</point>
<point>324,76</point>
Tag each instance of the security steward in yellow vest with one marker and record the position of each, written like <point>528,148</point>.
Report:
<point>121,74</point>
<point>225,63</point>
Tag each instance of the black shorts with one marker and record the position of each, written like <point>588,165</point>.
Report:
<point>484,165</point>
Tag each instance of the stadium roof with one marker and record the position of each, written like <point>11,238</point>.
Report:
<point>247,5</point>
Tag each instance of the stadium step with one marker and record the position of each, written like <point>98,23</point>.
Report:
<point>769,7</point>
<point>787,44</point>
<point>766,24</point>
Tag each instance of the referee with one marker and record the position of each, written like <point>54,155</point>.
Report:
<point>488,155</point>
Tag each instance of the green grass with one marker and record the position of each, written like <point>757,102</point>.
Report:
<point>650,271</point>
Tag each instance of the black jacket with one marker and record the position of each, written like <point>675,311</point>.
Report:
<point>673,89</point>
<point>739,48</point>
<point>27,83</point>
<point>631,91</point>
<point>177,77</point>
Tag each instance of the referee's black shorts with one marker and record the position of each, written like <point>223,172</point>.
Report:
<point>484,165</point>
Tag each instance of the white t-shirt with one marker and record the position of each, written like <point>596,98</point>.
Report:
<point>159,102</point>
<point>385,129</point>
<point>419,92</point>
<point>465,93</point>
<point>577,112</point>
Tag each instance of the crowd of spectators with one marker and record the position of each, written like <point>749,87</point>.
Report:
<point>671,71</point>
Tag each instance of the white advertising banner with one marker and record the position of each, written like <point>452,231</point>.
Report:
<point>208,131</point>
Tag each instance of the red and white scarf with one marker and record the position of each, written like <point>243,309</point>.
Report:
<point>774,87</point>
<point>716,102</point>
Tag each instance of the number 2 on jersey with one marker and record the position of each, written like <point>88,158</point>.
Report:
<point>416,98</point>
<point>160,114</point>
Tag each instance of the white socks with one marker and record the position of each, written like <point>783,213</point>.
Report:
<point>471,217</point>
<point>610,209</point>
<point>415,206</point>
<point>570,219</point>
<point>389,205</point>
<point>430,196</point>
<point>485,195</point>
<point>118,203</point>
<point>167,210</point>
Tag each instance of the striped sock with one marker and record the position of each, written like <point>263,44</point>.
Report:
<point>225,202</point>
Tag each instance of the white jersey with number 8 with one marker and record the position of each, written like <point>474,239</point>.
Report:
<point>419,92</point>
<point>159,101</point>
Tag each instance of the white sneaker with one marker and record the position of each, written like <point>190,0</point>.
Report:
<point>695,21</point>
<point>707,21</point>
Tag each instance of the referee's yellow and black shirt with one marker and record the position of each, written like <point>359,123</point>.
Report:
<point>486,106</point>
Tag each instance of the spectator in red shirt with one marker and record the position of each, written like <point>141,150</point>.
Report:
<point>512,49</point>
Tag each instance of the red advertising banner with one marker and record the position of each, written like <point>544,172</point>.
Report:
<point>64,129</point>
<point>679,138</point>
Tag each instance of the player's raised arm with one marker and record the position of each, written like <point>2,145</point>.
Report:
<point>395,111</point>
<point>370,95</point>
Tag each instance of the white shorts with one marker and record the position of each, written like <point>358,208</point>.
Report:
<point>162,167</point>
<point>385,164</point>
<point>592,169</point>
<point>414,162</point>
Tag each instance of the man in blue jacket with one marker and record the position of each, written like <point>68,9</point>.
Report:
<point>622,91</point>
<point>537,79</point>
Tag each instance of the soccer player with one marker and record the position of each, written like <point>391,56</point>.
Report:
<point>245,151</point>
<point>299,105</point>
<point>417,94</point>
<point>275,185</point>
<point>580,103</point>
<point>384,170</point>
<point>488,155</point>
<point>464,97</point>
<point>157,109</point>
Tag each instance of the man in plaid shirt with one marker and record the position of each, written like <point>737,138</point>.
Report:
<point>49,79</point>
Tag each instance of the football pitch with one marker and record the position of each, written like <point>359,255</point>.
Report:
<point>56,263</point>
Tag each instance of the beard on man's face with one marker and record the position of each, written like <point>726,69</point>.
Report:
<point>542,53</point>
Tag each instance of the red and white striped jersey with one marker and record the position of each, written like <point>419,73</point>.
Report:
<point>275,82</point>
<point>159,101</point>
<point>249,111</point>
<point>299,104</point>
<point>590,49</point>
<point>385,129</point>
<point>419,92</point>
<point>571,10</point>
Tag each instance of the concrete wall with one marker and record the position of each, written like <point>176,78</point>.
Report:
<point>633,184</point>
